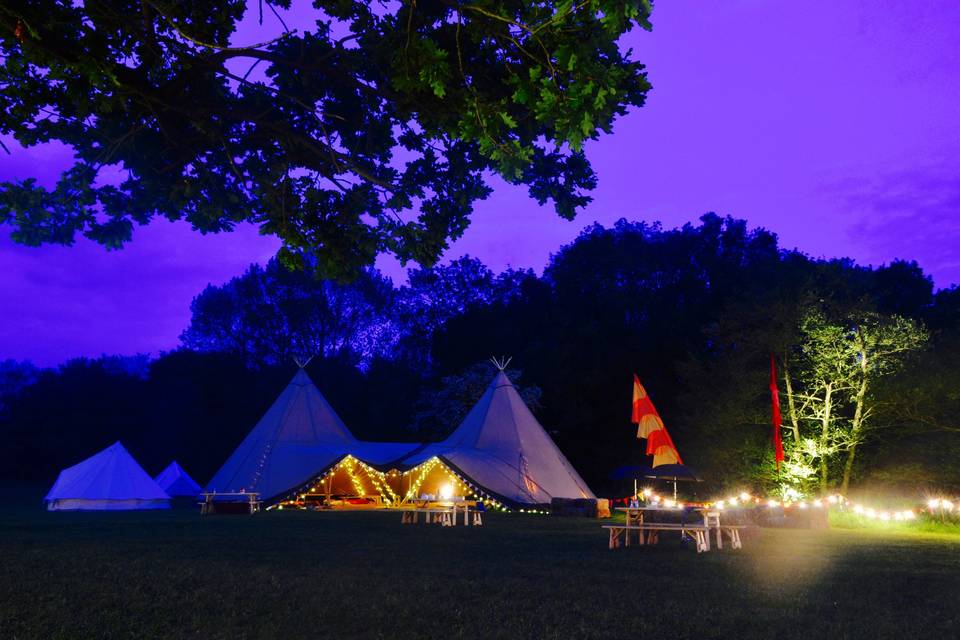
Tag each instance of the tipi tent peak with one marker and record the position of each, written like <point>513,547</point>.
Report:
<point>109,480</point>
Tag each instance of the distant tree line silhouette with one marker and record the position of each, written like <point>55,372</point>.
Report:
<point>695,312</point>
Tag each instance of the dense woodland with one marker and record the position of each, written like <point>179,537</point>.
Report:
<point>868,362</point>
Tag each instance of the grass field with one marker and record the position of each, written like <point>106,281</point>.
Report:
<point>335,575</point>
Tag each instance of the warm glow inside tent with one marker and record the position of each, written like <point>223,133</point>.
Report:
<point>177,482</point>
<point>352,483</point>
<point>108,481</point>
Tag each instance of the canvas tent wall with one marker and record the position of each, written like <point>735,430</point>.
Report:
<point>107,481</point>
<point>501,450</point>
<point>297,441</point>
<point>177,482</point>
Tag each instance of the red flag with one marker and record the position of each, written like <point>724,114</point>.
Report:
<point>777,419</point>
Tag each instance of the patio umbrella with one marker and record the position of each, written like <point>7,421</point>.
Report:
<point>633,471</point>
<point>674,473</point>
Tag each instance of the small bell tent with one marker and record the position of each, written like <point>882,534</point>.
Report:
<point>177,482</point>
<point>108,481</point>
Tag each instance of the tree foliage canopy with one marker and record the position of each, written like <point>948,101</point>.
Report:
<point>272,315</point>
<point>372,132</point>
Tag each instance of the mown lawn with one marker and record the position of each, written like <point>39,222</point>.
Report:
<point>335,575</point>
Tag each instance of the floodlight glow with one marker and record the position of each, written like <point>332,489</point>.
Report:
<point>446,491</point>
<point>744,496</point>
<point>934,503</point>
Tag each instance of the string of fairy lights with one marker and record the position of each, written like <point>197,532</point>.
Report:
<point>382,485</point>
<point>936,505</point>
<point>261,463</point>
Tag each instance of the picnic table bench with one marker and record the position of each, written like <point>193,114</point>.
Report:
<point>209,503</point>
<point>445,516</point>
<point>649,532</point>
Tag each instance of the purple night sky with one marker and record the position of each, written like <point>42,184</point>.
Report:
<point>832,123</point>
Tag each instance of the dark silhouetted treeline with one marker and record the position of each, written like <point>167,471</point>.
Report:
<point>695,312</point>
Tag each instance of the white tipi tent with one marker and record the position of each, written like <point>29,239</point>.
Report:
<point>177,482</point>
<point>109,480</point>
<point>502,449</point>
<point>298,439</point>
<point>298,435</point>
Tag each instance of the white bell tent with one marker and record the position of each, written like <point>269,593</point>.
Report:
<point>108,481</point>
<point>177,482</point>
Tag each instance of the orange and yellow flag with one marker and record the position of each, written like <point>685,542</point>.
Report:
<point>650,426</point>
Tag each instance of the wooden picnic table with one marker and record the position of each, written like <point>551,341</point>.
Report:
<point>210,498</point>
<point>649,532</point>
<point>445,514</point>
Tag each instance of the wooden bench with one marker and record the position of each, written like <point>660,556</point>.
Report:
<point>649,533</point>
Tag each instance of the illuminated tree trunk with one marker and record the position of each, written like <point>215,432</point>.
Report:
<point>794,423</point>
<point>856,430</point>
<point>825,437</point>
